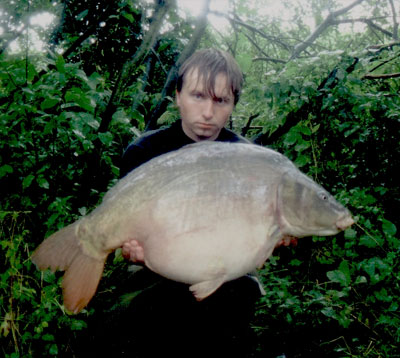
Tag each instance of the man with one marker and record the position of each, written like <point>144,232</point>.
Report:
<point>208,88</point>
<point>166,319</point>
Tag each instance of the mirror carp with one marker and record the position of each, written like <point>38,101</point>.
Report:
<point>205,214</point>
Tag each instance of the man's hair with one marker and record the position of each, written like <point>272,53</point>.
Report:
<point>209,63</point>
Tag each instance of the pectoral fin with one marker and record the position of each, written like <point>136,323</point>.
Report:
<point>204,289</point>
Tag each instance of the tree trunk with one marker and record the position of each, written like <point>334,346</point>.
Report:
<point>169,86</point>
<point>126,71</point>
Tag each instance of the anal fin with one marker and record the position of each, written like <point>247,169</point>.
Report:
<point>204,289</point>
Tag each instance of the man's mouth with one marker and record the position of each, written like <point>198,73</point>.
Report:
<point>205,125</point>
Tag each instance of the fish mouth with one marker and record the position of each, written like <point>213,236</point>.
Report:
<point>344,222</point>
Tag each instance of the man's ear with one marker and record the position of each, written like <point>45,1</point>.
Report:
<point>178,98</point>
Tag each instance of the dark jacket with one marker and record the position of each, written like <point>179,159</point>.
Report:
<point>165,319</point>
<point>154,143</point>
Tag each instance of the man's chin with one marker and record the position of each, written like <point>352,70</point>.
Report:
<point>209,132</point>
<point>207,135</point>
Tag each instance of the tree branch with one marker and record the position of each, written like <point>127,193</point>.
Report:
<point>269,59</point>
<point>266,58</point>
<point>395,23</point>
<point>380,65</point>
<point>369,22</point>
<point>321,28</point>
<point>381,76</point>
<point>246,128</point>
<point>376,27</point>
<point>383,46</point>
<point>253,29</point>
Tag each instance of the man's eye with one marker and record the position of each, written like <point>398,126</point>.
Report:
<point>198,95</point>
<point>221,100</point>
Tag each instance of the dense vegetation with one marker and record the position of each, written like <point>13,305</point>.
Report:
<point>327,98</point>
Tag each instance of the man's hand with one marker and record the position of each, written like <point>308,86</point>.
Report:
<point>133,251</point>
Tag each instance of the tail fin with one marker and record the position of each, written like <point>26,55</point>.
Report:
<point>62,251</point>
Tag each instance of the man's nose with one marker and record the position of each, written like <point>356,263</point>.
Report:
<point>208,109</point>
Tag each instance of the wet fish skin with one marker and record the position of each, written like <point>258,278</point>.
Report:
<point>205,214</point>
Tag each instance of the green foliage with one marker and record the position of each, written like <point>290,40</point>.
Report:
<point>32,319</point>
<point>328,297</point>
<point>52,130</point>
<point>348,284</point>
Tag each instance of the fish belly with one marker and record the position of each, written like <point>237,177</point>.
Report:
<point>192,243</point>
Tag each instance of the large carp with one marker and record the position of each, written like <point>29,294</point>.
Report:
<point>204,214</point>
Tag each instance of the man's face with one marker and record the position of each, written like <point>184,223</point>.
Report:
<point>202,116</point>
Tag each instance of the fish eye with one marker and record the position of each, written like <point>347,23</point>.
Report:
<point>323,196</point>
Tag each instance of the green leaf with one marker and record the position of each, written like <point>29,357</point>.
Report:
<point>383,295</point>
<point>48,103</point>
<point>53,349</point>
<point>293,137</point>
<point>388,228</point>
<point>337,276</point>
<point>360,279</point>
<point>82,15</point>
<point>120,117</point>
<point>5,169</point>
<point>76,96</point>
<point>43,183</point>
<point>376,269</point>
<point>350,234</point>
<point>48,337</point>
<point>295,262</point>
<point>329,312</point>
<point>27,181</point>
<point>90,120</point>
<point>342,275</point>
<point>78,325</point>
<point>302,146</point>
<point>305,130</point>
<point>345,269</point>
<point>106,138</point>
<point>302,160</point>
<point>129,17</point>
<point>79,134</point>
<point>60,64</point>
<point>315,128</point>
<point>31,72</point>
<point>370,241</point>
